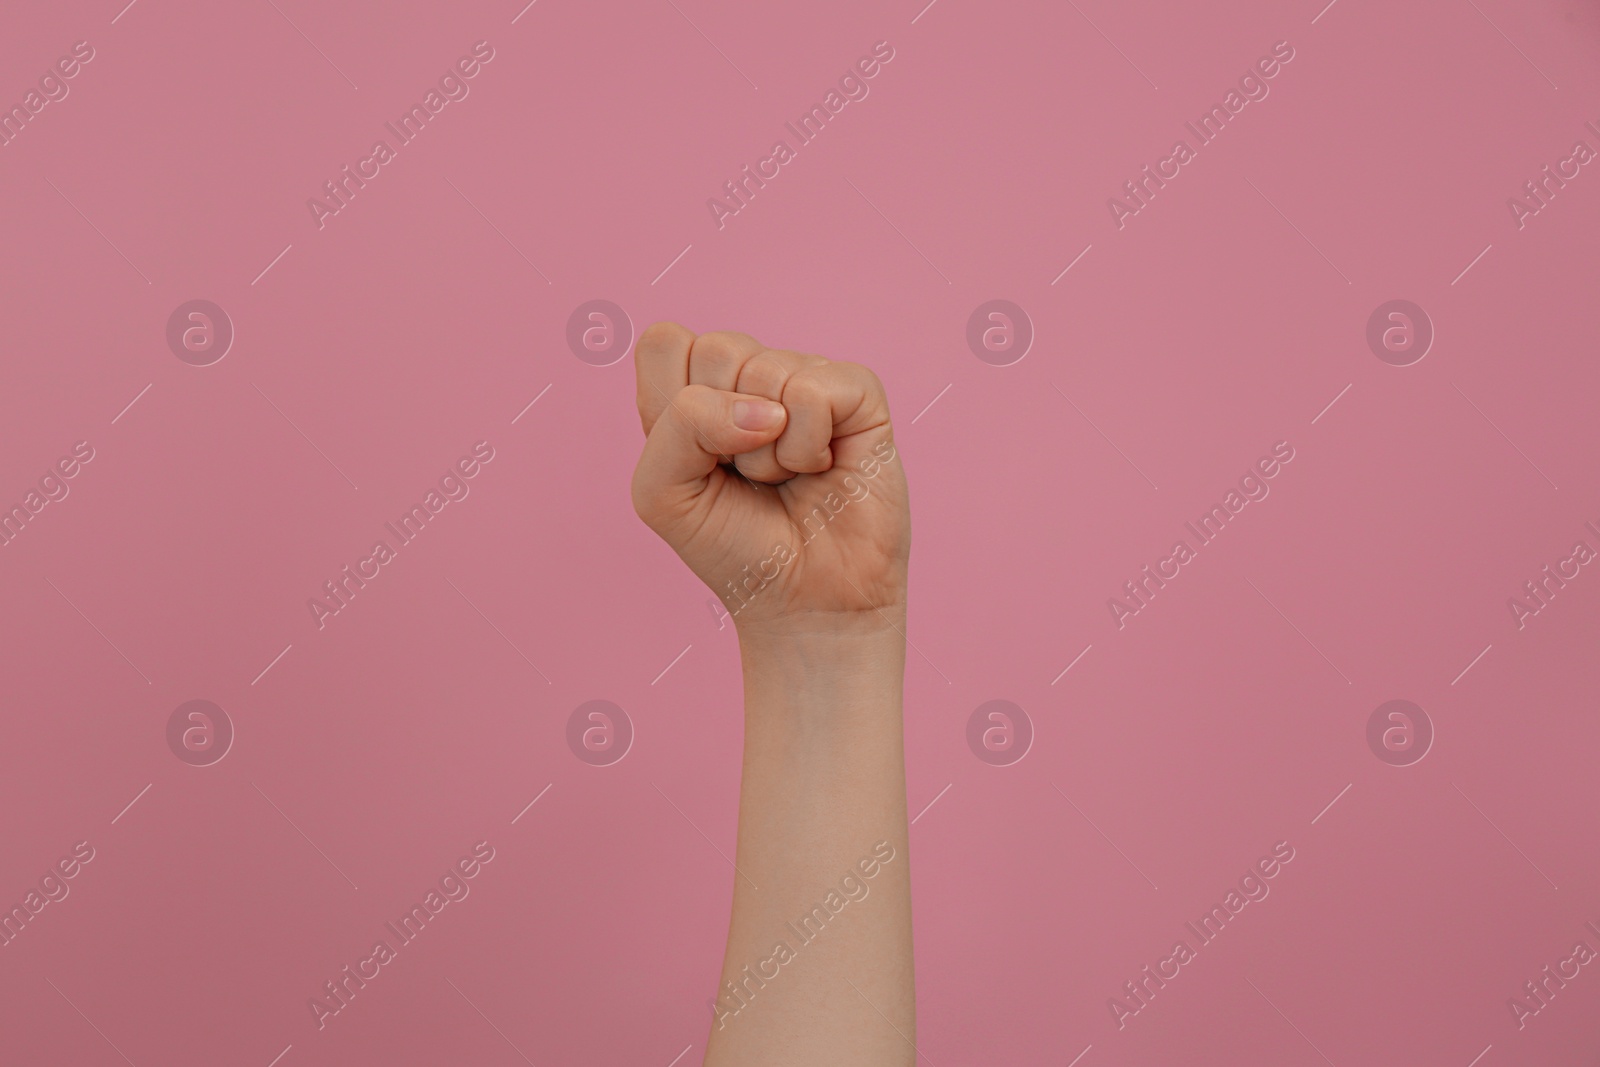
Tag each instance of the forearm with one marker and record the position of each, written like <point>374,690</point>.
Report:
<point>822,804</point>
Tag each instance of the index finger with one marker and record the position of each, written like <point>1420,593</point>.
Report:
<point>661,367</point>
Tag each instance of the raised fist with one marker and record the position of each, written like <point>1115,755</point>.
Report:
<point>774,476</point>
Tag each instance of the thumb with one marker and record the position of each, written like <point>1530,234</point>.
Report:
<point>699,427</point>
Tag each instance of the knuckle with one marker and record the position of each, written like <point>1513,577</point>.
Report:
<point>765,373</point>
<point>804,458</point>
<point>664,336</point>
<point>805,387</point>
<point>760,466</point>
<point>721,350</point>
<point>695,396</point>
<point>863,375</point>
<point>693,406</point>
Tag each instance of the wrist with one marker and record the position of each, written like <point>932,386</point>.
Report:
<point>821,627</point>
<point>825,660</point>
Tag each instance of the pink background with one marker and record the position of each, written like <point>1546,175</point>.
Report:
<point>426,315</point>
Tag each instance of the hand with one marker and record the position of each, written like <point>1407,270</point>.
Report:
<point>774,476</point>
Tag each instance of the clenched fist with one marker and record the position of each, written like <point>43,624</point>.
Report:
<point>774,476</point>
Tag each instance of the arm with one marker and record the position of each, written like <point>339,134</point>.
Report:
<point>822,826</point>
<point>806,539</point>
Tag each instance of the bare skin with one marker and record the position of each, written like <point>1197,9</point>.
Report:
<point>774,476</point>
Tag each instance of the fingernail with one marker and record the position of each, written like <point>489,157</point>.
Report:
<point>756,414</point>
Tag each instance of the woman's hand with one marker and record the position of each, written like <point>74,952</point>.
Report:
<point>774,476</point>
